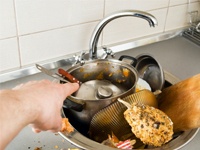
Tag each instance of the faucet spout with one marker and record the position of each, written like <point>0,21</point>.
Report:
<point>97,31</point>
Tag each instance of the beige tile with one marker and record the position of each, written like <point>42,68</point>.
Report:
<point>9,56</point>
<point>55,43</point>
<point>37,15</point>
<point>128,28</point>
<point>7,19</point>
<point>178,16</point>
<point>144,5</point>
<point>179,2</point>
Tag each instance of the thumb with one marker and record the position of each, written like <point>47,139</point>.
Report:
<point>70,88</point>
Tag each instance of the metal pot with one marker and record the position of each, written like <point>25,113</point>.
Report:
<point>120,74</point>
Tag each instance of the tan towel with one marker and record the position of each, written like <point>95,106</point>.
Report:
<point>181,102</point>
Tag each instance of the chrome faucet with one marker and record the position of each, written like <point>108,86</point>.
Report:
<point>97,31</point>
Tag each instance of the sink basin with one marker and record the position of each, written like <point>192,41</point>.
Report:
<point>81,139</point>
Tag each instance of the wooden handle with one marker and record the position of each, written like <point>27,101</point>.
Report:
<point>68,76</point>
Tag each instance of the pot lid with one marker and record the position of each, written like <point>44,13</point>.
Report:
<point>98,89</point>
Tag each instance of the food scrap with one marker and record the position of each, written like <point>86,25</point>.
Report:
<point>126,72</point>
<point>66,126</point>
<point>114,142</point>
<point>38,148</point>
<point>151,125</point>
<point>56,147</point>
<point>128,144</point>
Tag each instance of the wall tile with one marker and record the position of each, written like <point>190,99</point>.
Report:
<point>7,19</point>
<point>127,28</point>
<point>55,28</point>
<point>9,56</point>
<point>55,43</point>
<point>144,5</point>
<point>179,2</point>
<point>178,16</point>
<point>37,15</point>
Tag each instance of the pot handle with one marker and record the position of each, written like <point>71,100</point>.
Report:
<point>69,104</point>
<point>134,60</point>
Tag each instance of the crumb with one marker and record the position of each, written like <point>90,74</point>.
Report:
<point>38,148</point>
<point>56,147</point>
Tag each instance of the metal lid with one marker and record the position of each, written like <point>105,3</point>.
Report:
<point>150,70</point>
<point>98,89</point>
<point>104,92</point>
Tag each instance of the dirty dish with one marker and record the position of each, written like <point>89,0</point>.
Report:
<point>150,70</point>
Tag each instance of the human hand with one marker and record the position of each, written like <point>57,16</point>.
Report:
<point>44,100</point>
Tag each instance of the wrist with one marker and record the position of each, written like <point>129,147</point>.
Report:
<point>18,106</point>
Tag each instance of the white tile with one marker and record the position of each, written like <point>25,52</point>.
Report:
<point>178,16</point>
<point>144,5</point>
<point>128,28</point>
<point>7,19</point>
<point>9,56</point>
<point>179,2</point>
<point>36,15</point>
<point>55,43</point>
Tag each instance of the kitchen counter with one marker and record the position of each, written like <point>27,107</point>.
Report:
<point>178,56</point>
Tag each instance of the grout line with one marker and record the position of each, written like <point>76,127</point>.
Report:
<point>75,24</point>
<point>16,25</point>
<point>166,15</point>
<point>10,37</point>
<point>57,28</point>
<point>104,11</point>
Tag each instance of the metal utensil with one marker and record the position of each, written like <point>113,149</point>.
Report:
<point>48,72</point>
<point>68,76</point>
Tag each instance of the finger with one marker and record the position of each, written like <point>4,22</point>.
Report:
<point>31,82</point>
<point>70,88</point>
<point>57,126</point>
<point>36,130</point>
<point>55,81</point>
<point>18,86</point>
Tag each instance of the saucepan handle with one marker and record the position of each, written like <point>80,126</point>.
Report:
<point>134,60</point>
<point>69,104</point>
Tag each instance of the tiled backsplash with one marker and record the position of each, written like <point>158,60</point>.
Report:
<point>33,31</point>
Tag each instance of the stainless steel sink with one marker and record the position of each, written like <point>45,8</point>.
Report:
<point>80,137</point>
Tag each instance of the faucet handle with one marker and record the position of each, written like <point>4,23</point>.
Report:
<point>79,58</point>
<point>108,52</point>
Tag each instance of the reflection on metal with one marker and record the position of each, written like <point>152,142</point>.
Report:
<point>192,35</point>
<point>100,26</point>
<point>193,32</point>
<point>69,61</point>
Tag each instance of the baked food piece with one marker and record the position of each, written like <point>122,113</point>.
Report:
<point>151,125</point>
<point>66,126</point>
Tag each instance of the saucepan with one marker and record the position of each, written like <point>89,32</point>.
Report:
<point>103,81</point>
